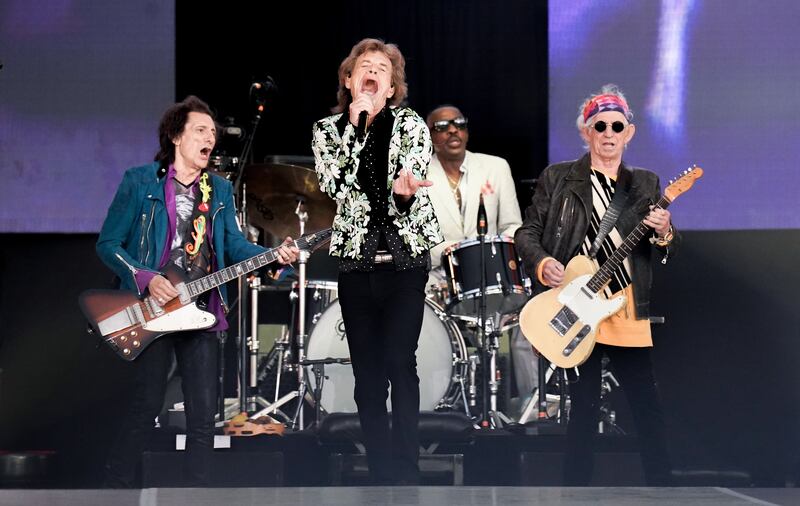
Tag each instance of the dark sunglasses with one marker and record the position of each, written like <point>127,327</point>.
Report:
<point>616,126</point>
<point>444,124</point>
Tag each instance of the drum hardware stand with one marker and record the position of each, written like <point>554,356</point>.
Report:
<point>608,417</point>
<point>473,390</point>
<point>461,380</point>
<point>249,382</point>
<point>545,373</point>
<point>318,368</point>
<point>491,418</point>
<point>539,398</point>
<point>496,418</point>
<point>302,259</point>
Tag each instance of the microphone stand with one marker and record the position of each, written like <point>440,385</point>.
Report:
<point>486,421</point>
<point>239,190</point>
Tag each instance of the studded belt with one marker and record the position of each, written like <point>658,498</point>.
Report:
<point>382,257</point>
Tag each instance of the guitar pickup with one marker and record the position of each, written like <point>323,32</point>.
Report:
<point>576,340</point>
<point>563,321</point>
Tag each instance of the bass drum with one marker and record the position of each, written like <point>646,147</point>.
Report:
<point>441,360</point>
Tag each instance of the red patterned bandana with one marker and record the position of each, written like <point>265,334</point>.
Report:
<point>602,103</point>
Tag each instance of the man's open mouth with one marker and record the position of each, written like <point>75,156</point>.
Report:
<point>369,86</point>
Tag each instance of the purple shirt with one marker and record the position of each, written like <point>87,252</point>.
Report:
<point>144,277</point>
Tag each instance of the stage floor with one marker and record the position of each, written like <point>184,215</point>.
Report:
<point>410,496</point>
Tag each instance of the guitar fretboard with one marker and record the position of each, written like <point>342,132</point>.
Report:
<point>222,276</point>
<point>603,275</point>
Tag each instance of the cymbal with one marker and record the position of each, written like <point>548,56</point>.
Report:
<point>273,191</point>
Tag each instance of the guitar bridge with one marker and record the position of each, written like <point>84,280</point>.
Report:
<point>576,341</point>
<point>563,321</point>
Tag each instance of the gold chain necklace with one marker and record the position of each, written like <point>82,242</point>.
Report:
<point>454,187</point>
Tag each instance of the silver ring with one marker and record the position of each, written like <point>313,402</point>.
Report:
<point>160,300</point>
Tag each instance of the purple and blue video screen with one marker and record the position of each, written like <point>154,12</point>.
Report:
<point>82,87</point>
<point>711,82</point>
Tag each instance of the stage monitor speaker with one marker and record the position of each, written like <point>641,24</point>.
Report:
<point>611,469</point>
<point>228,469</point>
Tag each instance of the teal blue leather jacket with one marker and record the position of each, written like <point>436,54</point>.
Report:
<point>134,233</point>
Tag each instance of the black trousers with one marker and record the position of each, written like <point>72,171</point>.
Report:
<point>196,354</point>
<point>634,369</point>
<point>382,313</point>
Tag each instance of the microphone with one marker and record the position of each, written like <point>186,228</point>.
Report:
<point>362,125</point>
<point>260,89</point>
<point>482,229</point>
<point>233,131</point>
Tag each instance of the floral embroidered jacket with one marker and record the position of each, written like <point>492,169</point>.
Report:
<point>337,159</point>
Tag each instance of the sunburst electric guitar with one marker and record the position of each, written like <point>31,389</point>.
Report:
<point>561,323</point>
<point>128,324</point>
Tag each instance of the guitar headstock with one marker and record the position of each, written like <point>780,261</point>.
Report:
<point>683,182</point>
<point>313,241</point>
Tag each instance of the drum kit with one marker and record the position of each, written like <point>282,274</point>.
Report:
<point>310,358</point>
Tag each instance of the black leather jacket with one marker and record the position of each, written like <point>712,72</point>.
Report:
<point>557,221</point>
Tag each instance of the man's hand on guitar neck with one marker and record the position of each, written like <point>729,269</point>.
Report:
<point>287,252</point>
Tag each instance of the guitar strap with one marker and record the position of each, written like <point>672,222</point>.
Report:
<point>613,211</point>
<point>195,240</point>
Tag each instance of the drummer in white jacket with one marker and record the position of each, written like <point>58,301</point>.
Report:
<point>459,178</point>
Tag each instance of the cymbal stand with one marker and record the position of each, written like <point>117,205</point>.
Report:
<point>302,259</point>
<point>297,420</point>
<point>249,369</point>
<point>240,317</point>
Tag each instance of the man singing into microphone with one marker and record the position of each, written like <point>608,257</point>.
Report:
<point>372,157</point>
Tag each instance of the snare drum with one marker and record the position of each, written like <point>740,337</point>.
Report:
<point>319,295</point>
<point>506,289</point>
<point>441,360</point>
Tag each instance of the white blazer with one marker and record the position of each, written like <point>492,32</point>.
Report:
<point>502,209</point>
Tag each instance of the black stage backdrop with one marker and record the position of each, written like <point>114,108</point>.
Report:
<point>489,58</point>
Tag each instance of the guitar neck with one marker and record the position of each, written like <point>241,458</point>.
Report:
<point>229,273</point>
<point>603,275</point>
